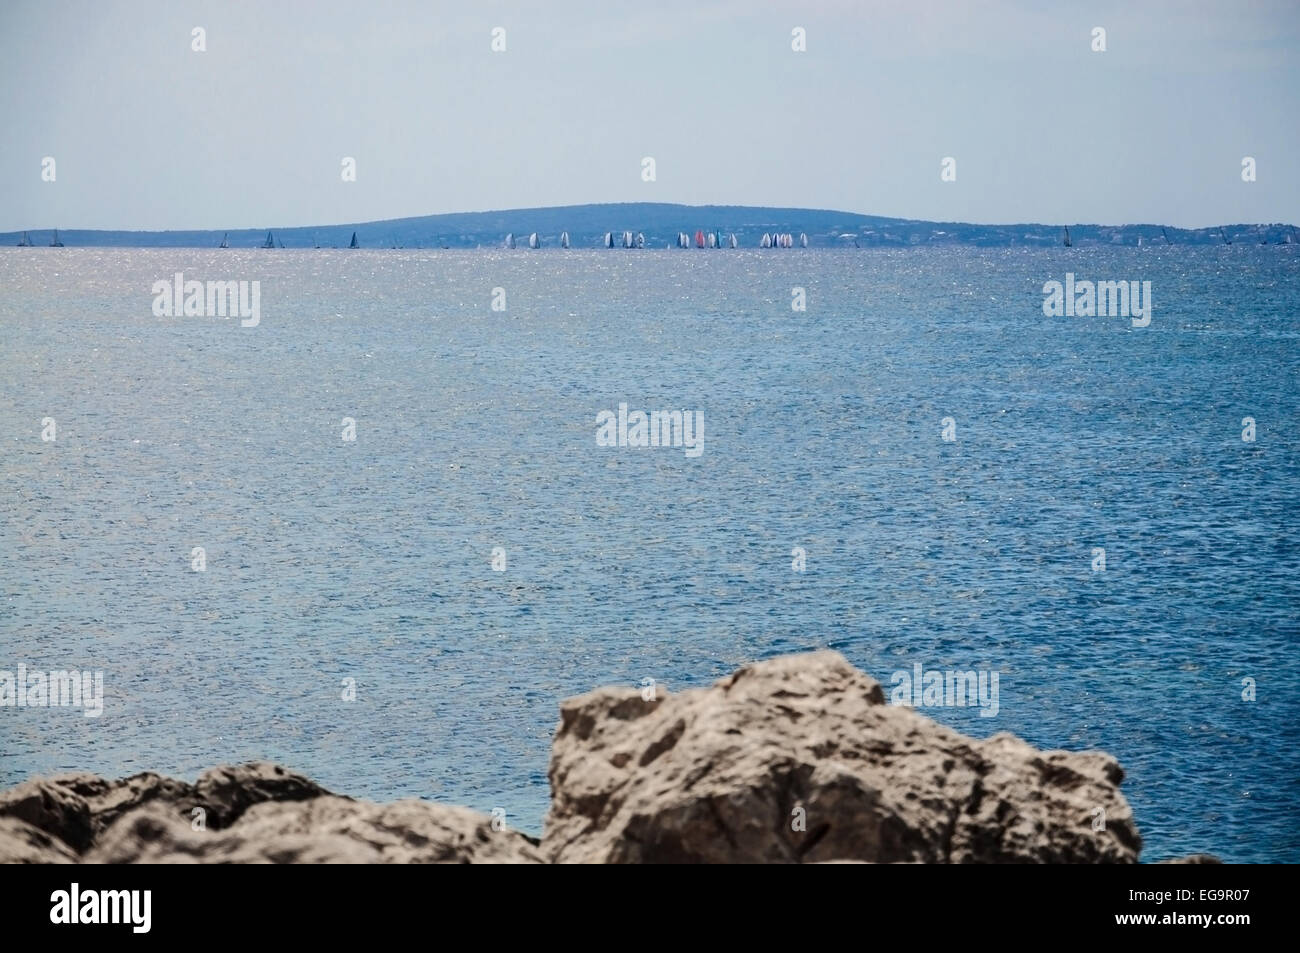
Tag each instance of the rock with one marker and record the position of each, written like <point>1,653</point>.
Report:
<point>227,792</point>
<point>51,806</point>
<point>78,808</point>
<point>23,843</point>
<point>730,773</point>
<point>322,830</point>
<point>106,800</point>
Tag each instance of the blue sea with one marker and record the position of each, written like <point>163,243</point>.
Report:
<point>366,565</point>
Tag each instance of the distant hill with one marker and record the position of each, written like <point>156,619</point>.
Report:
<point>587,224</point>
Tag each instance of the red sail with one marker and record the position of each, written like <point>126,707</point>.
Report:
<point>699,238</point>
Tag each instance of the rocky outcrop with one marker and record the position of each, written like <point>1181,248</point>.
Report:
<point>78,808</point>
<point>251,813</point>
<point>323,830</point>
<point>23,843</point>
<point>798,759</point>
<point>792,760</point>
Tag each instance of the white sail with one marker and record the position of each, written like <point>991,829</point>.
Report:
<point>510,239</point>
<point>803,240</point>
<point>732,240</point>
<point>609,239</point>
<point>766,242</point>
<point>640,239</point>
<point>627,239</point>
<point>713,240</point>
<point>533,241</point>
<point>564,239</point>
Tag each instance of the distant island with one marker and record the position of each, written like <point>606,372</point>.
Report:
<point>660,223</point>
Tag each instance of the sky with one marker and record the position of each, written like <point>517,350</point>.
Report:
<point>148,133</point>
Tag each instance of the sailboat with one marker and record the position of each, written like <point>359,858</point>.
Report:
<point>225,240</point>
<point>353,243</point>
<point>564,239</point>
<point>25,241</point>
<point>1166,234</point>
<point>280,243</point>
<point>270,242</point>
<point>803,240</point>
<point>640,239</point>
<point>732,240</point>
<point>699,238</point>
<point>712,240</point>
<point>534,241</point>
<point>766,242</point>
<point>609,239</point>
<point>510,239</point>
<point>627,239</point>
<point>1290,239</point>
<point>54,242</point>
<point>1224,236</point>
<point>1067,236</point>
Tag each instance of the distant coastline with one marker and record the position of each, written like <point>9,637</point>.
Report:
<point>661,223</point>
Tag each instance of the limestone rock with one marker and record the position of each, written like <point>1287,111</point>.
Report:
<point>22,843</point>
<point>322,830</point>
<point>51,806</point>
<point>78,808</point>
<point>799,759</point>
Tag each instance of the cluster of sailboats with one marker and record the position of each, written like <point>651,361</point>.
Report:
<point>702,239</point>
<point>705,239</point>
<point>628,240</point>
<point>534,241</point>
<point>786,240</point>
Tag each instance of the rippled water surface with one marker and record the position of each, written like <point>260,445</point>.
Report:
<point>371,560</point>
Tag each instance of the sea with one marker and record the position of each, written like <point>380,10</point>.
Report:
<point>376,536</point>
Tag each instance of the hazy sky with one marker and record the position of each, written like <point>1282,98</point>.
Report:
<point>147,133</point>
